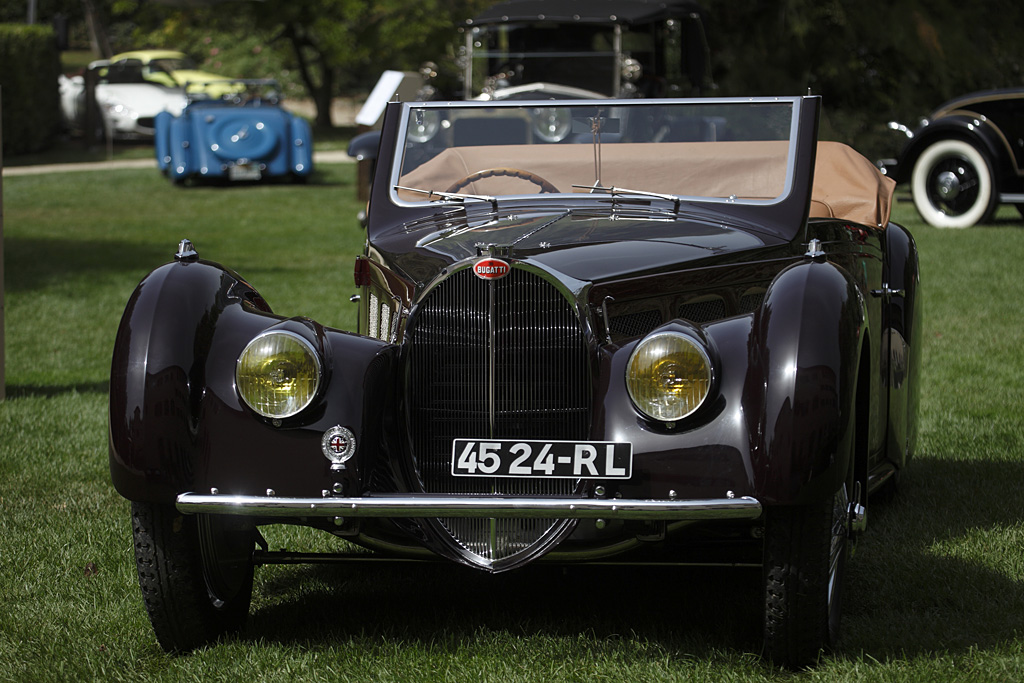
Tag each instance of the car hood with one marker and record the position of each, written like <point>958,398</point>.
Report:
<point>582,244</point>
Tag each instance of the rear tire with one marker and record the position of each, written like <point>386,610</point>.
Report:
<point>195,572</point>
<point>806,549</point>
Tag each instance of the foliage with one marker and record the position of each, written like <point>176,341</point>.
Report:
<point>936,587</point>
<point>238,51</point>
<point>870,61</point>
<point>16,12</point>
<point>319,48</point>
<point>28,79</point>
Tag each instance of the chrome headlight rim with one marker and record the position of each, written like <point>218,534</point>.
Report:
<point>423,126</point>
<point>699,344</point>
<point>549,123</point>
<point>309,348</point>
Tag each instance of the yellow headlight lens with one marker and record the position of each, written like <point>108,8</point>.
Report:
<point>668,376</point>
<point>278,374</point>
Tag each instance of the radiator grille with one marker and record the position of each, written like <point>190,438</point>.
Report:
<point>495,359</point>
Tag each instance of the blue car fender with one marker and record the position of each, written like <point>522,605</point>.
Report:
<point>181,157</point>
<point>162,139</point>
<point>301,141</point>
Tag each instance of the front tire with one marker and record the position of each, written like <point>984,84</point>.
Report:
<point>952,185</point>
<point>195,572</point>
<point>806,549</point>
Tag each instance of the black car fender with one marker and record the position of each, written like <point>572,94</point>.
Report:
<point>176,422</point>
<point>364,146</point>
<point>985,137</point>
<point>804,356</point>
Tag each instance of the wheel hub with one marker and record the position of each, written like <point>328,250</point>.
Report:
<point>947,185</point>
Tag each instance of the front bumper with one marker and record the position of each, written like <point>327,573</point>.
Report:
<point>413,506</point>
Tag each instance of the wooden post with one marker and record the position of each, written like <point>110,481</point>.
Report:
<point>3,380</point>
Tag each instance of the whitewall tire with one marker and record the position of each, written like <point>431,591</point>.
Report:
<point>952,185</point>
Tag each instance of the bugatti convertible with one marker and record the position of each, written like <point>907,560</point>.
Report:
<point>640,330</point>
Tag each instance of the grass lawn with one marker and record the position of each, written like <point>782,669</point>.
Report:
<point>936,590</point>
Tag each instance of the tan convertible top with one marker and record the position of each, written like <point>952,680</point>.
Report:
<point>849,187</point>
<point>846,185</point>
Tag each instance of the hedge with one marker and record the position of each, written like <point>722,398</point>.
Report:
<point>29,66</point>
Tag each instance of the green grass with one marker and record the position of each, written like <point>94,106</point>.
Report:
<point>936,590</point>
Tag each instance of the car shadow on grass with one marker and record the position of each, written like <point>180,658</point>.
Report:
<point>939,569</point>
<point>50,391</point>
<point>34,263</point>
<point>924,579</point>
<point>685,609</point>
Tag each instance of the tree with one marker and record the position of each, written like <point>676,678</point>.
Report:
<point>344,45</point>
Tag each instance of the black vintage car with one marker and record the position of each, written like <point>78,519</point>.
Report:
<point>616,48</point>
<point>964,159</point>
<point>563,49</point>
<point>648,330</point>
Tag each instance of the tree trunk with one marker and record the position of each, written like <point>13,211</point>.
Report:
<point>320,92</point>
<point>324,96</point>
<point>97,30</point>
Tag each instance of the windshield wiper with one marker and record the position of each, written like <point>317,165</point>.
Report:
<point>618,191</point>
<point>451,196</point>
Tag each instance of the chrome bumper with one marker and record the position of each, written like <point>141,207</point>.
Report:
<point>471,506</point>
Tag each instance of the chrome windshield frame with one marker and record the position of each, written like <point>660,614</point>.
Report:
<point>795,103</point>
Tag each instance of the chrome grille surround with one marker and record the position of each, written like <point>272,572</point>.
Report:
<point>506,359</point>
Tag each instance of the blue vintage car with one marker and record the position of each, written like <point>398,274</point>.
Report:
<point>244,135</point>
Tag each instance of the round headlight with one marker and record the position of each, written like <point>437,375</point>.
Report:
<point>278,374</point>
<point>668,376</point>
<point>423,125</point>
<point>552,124</point>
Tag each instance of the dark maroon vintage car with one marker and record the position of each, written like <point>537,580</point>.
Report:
<point>640,330</point>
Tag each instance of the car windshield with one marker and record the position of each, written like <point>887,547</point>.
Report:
<point>727,150</point>
<point>581,55</point>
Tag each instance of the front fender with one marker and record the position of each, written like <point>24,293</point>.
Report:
<point>158,372</point>
<point>176,423</point>
<point>799,394</point>
<point>364,146</point>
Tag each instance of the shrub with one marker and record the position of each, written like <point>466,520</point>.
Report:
<point>29,66</point>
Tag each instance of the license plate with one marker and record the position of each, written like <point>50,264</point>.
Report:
<point>542,459</point>
<point>244,172</point>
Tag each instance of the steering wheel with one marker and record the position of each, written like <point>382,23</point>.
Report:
<point>545,186</point>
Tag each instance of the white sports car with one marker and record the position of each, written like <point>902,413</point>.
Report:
<point>127,103</point>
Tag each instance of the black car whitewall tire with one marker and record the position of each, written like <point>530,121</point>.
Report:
<point>806,550</point>
<point>195,572</point>
<point>952,185</point>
